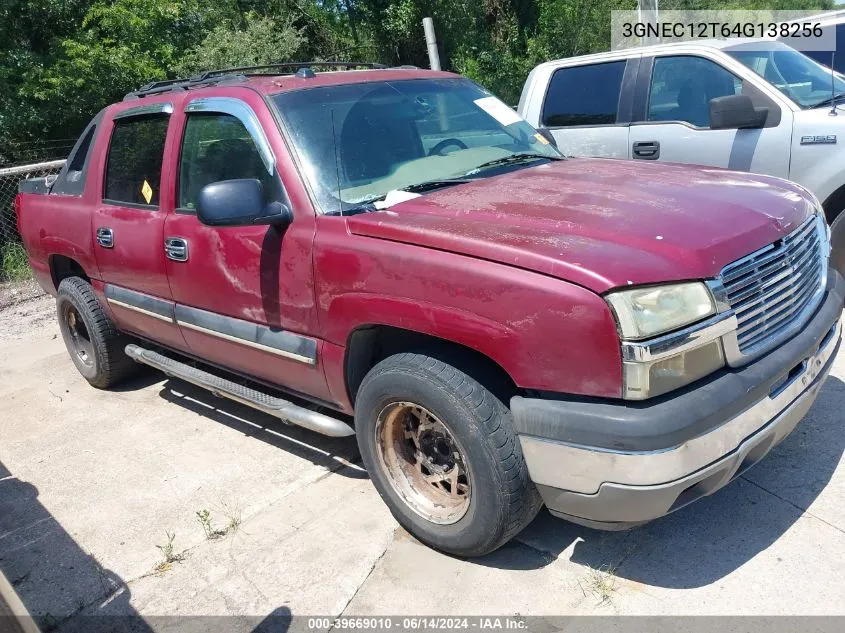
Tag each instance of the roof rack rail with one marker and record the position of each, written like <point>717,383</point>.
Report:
<point>238,73</point>
<point>170,85</point>
<point>250,70</point>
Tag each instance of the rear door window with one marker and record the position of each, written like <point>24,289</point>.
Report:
<point>584,95</point>
<point>136,151</point>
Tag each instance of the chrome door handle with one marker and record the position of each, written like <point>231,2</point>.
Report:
<point>176,248</point>
<point>105,237</point>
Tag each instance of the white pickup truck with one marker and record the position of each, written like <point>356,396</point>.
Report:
<point>748,105</point>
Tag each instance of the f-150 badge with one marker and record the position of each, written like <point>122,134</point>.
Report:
<point>828,139</point>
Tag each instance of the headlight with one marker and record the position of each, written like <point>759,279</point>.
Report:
<point>644,312</point>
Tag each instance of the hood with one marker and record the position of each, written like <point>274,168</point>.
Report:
<point>600,223</point>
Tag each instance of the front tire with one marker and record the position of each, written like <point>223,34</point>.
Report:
<point>442,453</point>
<point>92,340</point>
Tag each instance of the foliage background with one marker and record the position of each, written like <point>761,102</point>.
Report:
<point>63,60</point>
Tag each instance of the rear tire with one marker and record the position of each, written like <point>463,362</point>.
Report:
<point>442,453</point>
<point>92,340</point>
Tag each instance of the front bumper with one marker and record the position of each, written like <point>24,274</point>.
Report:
<point>616,464</point>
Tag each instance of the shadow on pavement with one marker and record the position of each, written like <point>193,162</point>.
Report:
<point>703,542</point>
<point>277,622</point>
<point>145,377</point>
<point>329,452</point>
<point>66,590</point>
<point>54,577</point>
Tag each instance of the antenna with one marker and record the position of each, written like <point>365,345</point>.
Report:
<point>832,85</point>
<point>336,165</point>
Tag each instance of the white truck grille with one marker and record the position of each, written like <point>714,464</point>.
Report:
<point>771,288</point>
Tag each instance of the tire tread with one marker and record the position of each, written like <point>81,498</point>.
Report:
<point>520,499</point>
<point>109,343</point>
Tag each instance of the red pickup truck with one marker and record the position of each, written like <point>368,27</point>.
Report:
<point>396,254</point>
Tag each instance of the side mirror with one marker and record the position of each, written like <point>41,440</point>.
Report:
<point>239,203</point>
<point>736,112</point>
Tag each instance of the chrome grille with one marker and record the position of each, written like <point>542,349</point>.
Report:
<point>771,288</point>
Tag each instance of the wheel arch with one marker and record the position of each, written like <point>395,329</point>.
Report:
<point>834,204</point>
<point>62,267</point>
<point>369,344</point>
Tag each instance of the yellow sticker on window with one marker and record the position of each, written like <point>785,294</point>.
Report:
<point>147,191</point>
<point>541,138</point>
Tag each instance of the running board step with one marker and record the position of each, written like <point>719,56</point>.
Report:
<point>287,411</point>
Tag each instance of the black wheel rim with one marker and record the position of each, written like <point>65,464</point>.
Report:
<point>79,339</point>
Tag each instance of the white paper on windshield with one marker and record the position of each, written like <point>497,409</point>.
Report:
<point>498,110</point>
<point>394,197</point>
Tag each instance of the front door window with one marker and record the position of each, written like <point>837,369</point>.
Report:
<point>682,87</point>
<point>217,146</point>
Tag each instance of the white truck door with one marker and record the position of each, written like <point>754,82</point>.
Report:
<point>672,112</point>
<point>585,108</point>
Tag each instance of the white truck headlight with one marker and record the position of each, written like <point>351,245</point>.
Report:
<point>645,312</point>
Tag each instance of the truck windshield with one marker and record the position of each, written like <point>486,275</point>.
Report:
<point>803,80</point>
<point>358,142</point>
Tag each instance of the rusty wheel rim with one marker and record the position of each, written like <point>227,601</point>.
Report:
<point>423,461</point>
<point>80,339</point>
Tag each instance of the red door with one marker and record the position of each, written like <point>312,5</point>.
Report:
<point>244,295</point>
<point>128,223</point>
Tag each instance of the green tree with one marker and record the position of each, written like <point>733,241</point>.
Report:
<point>27,32</point>
<point>119,46</point>
<point>258,40</point>
<point>63,60</point>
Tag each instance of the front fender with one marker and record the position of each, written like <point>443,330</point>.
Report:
<point>816,165</point>
<point>496,341</point>
<point>546,333</point>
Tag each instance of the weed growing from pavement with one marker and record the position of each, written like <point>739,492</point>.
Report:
<point>600,582</point>
<point>204,518</point>
<point>233,516</point>
<point>169,553</point>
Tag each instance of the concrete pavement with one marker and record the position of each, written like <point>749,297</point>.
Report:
<point>91,482</point>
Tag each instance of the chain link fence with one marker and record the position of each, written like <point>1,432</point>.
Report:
<point>13,264</point>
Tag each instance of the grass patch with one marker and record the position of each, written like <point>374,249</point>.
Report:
<point>14,265</point>
<point>600,582</point>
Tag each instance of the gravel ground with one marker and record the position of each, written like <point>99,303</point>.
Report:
<point>24,308</point>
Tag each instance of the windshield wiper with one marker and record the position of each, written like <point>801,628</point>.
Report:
<point>368,205</point>
<point>513,159</point>
<point>429,185</point>
<point>829,101</point>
